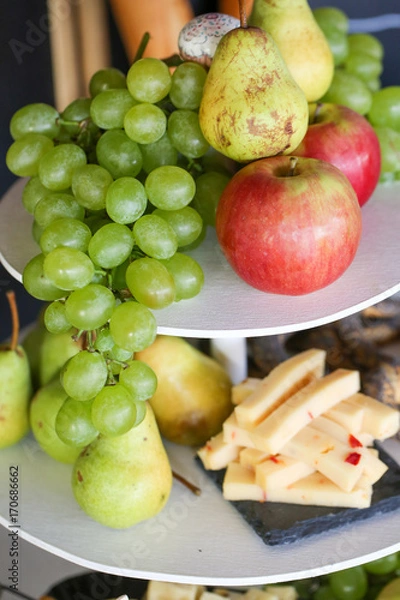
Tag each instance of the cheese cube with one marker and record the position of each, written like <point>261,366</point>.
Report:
<point>162,590</point>
<point>239,484</point>
<point>234,434</point>
<point>242,390</point>
<point>216,454</point>
<point>280,471</point>
<point>380,420</point>
<point>327,455</point>
<point>281,383</point>
<point>348,415</point>
<point>250,457</point>
<point>255,593</point>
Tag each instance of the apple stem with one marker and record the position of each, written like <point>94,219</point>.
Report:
<point>242,14</point>
<point>293,164</point>
<point>15,319</point>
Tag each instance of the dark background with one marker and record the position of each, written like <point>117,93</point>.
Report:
<point>31,81</point>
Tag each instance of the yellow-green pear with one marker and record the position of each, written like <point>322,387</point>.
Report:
<point>300,40</point>
<point>44,407</point>
<point>15,385</point>
<point>193,395</point>
<point>251,106</point>
<point>123,480</point>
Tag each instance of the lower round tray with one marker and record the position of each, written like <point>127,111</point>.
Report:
<point>227,307</point>
<point>195,539</point>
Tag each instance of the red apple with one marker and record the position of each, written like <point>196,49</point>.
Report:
<point>289,225</point>
<point>346,139</point>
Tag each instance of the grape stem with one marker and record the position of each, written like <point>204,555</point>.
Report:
<point>142,47</point>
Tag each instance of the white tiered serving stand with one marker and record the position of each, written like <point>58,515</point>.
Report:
<point>203,539</point>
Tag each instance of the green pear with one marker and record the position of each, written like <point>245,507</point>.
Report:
<point>300,40</point>
<point>193,395</point>
<point>15,386</point>
<point>44,407</point>
<point>48,352</point>
<point>120,481</point>
<point>251,106</point>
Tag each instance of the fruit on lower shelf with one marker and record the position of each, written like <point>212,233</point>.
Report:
<point>301,450</point>
<point>289,225</point>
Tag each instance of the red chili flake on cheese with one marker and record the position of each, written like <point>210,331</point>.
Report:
<point>208,447</point>
<point>310,415</point>
<point>354,442</point>
<point>233,435</point>
<point>274,459</point>
<point>353,458</point>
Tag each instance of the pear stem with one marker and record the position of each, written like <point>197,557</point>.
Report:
<point>14,318</point>
<point>293,164</point>
<point>193,488</point>
<point>242,14</point>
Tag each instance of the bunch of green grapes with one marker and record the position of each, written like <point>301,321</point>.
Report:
<point>120,186</point>
<point>364,582</point>
<point>357,83</point>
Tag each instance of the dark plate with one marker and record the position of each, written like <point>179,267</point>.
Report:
<point>97,586</point>
<point>278,523</point>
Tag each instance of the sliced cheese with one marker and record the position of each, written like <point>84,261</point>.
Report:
<point>239,484</point>
<point>373,467</point>
<point>162,590</point>
<point>216,453</point>
<point>250,457</point>
<point>280,471</point>
<point>242,390</point>
<point>281,383</point>
<point>318,490</point>
<point>234,434</point>
<point>301,408</point>
<point>327,455</point>
<point>380,420</point>
<point>255,593</point>
<point>347,414</point>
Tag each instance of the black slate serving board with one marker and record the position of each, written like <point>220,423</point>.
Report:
<point>278,523</point>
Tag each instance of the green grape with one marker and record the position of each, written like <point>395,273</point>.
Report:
<point>89,186</point>
<point>84,375</point>
<point>349,584</point>
<point>140,379</point>
<point>126,200</point>
<point>65,231</point>
<point>389,141</point>
<point>197,242</point>
<point>209,187</point>
<point>382,566</point>
<point>187,274</point>
<point>186,222</point>
<point>363,65</point>
<point>37,284</point>
<point>113,411</point>
<point>55,318</point>
<point>374,84</point>
<point>68,268</point>
<point>155,237</point>
<point>77,110</point>
<point>170,187</point>
<point>56,206</point>
<point>103,341</point>
<point>339,45</point>
<point>330,17</point>
<point>25,154</point>
<point>349,90</point>
<point>74,425</point>
<point>145,123</point>
<point>185,133</point>
<point>106,79</point>
<point>90,307</point>
<point>58,164</point>
<point>187,85</point>
<point>366,42</point>
<point>36,232</point>
<point>96,220</point>
<point>133,326</point>
<point>324,593</point>
<point>35,118</point>
<point>118,154</point>
<point>111,245</point>
<point>108,108</point>
<point>33,191</point>
<point>118,276</point>
<point>149,80</point>
<point>385,108</point>
<point>150,283</point>
<point>158,154</point>
<point>118,354</point>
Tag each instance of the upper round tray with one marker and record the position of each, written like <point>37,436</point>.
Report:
<point>227,306</point>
